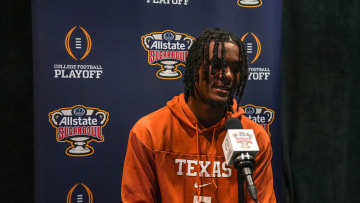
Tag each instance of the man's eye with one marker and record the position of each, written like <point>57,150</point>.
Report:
<point>235,68</point>
<point>216,66</point>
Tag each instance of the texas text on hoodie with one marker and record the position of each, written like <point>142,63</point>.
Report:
<point>172,158</point>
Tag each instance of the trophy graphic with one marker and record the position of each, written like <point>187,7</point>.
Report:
<point>250,3</point>
<point>243,138</point>
<point>71,122</point>
<point>169,60</point>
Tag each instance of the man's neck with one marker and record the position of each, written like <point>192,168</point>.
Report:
<point>207,114</point>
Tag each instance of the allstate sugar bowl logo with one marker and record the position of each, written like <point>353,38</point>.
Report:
<point>79,125</point>
<point>261,115</point>
<point>243,138</point>
<point>167,49</point>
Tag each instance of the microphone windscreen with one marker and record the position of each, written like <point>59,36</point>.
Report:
<point>233,123</point>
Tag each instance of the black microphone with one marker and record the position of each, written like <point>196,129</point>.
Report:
<point>240,148</point>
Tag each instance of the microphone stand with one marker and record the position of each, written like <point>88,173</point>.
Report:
<point>244,163</point>
<point>240,180</point>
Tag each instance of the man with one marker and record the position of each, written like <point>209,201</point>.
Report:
<point>175,155</point>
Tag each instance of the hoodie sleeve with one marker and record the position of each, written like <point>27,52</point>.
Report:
<point>139,181</point>
<point>263,175</point>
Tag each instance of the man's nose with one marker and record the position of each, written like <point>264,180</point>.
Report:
<point>226,74</point>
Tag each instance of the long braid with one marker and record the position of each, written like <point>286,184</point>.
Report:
<point>199,53</point>
<point>244,73</point>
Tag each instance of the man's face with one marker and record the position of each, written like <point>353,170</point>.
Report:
<point>217,90</point>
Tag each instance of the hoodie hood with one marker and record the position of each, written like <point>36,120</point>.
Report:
<point>181,110</point>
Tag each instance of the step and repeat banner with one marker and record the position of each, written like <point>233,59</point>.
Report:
<point>99,66</point>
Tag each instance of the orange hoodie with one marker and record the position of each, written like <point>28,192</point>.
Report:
<point>170,159</point>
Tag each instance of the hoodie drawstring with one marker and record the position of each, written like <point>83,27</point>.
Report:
<point>198,163</point>
<point>198,179</point>
<point>212,161</point>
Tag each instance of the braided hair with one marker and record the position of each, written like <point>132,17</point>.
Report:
<point>199,53</point>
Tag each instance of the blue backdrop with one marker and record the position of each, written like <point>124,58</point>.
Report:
<point>94,79</point>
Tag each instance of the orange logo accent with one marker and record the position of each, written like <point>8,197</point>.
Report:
<point>258,45</point>
<point>80,196</point>
<point>249,3</point>
<point>88,43</point>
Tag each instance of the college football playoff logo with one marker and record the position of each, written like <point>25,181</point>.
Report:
<point>79,193</point>
<point>75,43</point>
<point>252,42</point>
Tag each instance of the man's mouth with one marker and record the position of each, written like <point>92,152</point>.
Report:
<point>223,89</point>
